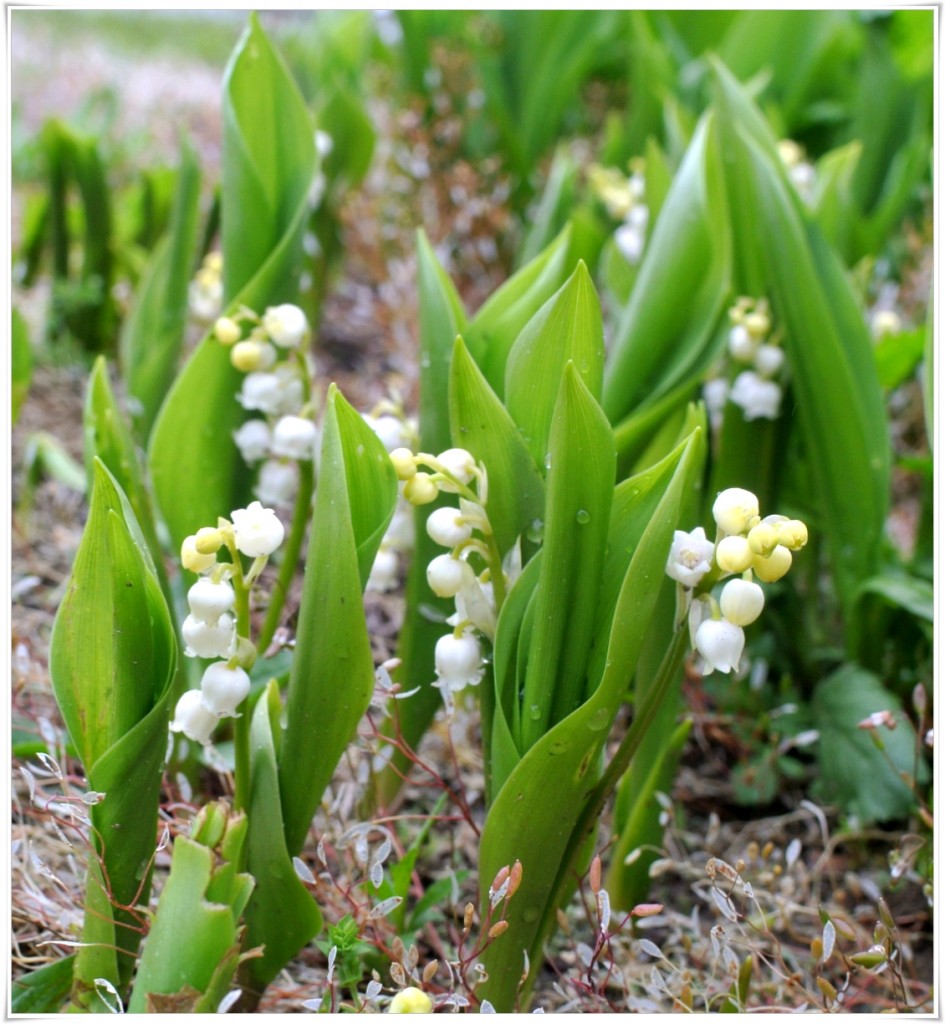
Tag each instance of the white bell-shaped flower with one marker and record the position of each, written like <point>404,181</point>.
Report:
<point>277,482</point>
<point>209,600</point>
<point>286,325</point>
<point>224,689</point>
<point>715,395</point>
<point>447,575</point>
<point>758,398</point>
<point>458,661</point>
<point>721,644</point>
<point>447,527</point>
<point>769,359</point>
<point>741,601</point>
<point>400,533</point>
<point>253,440</point>
<point>690,556</point>
<point>459,464</point>
<point>258,530</point>
<point>735,510</point>
<point>391,431</point>
<point>294,437</point>
<point>262,391</point>
<point>741,345</point>
<point>203,640</point>
<point>193,718</point>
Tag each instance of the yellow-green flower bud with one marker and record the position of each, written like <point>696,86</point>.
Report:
<point>792,534</point>
<point>420,489</point>
<point>757,324</point>
<point>250,356</point>
<point>193,559</point>
<point>411,1000</point>
<point>405,465</point>
<point>208,540</point>
<point>227,331</point>
<point>735,510</point>
<point>771,569</point>
<point>763,539</point>
<point>733,554</point>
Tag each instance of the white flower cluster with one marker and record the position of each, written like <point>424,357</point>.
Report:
<point>746,545</point>
<point>751,343</point>
<point>394,430</point>
<point>800,170</point>
<point>623,198</point>
<point>273,360</point>
<point>467,533</point>
<point>205,291</point>
<point>210,631</point>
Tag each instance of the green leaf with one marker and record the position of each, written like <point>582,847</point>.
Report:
<point>481,424</point>
<point>577,515</point>
<point>843,427</point>
<point>853,772</point>
<point>667,331</point>
<point>568,327</point>
<point>281,914</point>
<point>332,675</point>
<point>898,355</point>
<point>911,593</point>
<point>544,834</point>
<point>43,990</point>
<point>493,330</point>
<point>153,333</point>
<point>112,655</point>
<point>21,362</point>
<point>268,165</point>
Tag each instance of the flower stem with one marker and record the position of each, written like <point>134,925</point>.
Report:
<point>241,725</point>
<point>290,554</point>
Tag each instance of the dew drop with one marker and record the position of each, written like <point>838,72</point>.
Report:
<point>548,461</point>
<point>583,516</point>
<point>535,531</point>
<point>534,712</point>
<point>598,720</point>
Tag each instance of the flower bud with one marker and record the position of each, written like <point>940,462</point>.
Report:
<point>411,1000</point>
<point>741,345</point>
<point>209,600</point>
<point>459,464</point>
<point>769,359</point>
<point>391,431</point>
<point>277,482</point>
<point>447,575</point>
<point>420,489</point>
<point>733,554</point>
<point>383,576</point>
<point>294,437</point>
<point>258,530</point>
<point>405,465</point>
<point>734,510</point>
<point>252,355</point>
<point>771,569</point>
<point>758,324</point>
<point>224,689</point>
<point>227,331</point>
<point>205,640</point>
<point>741,602</point>
<point>286,325</point>
<point>192,559</point>
<point>447,527</point>
<point>253,440</point>
<point>763,539</point>
<point>208,540</point>
<point>721,644</point>
<point>792,534</point>
<point>193,718</point>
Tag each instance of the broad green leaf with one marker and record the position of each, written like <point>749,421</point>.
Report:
<point>442,317</point>
<point>912,593</point>
<point>667,331</point>
<point>567,328</point>
<point>564,761</point>
<point>332,676</point>
<point>344,118</point>
<point>580,489</point>
<point>898,355</point>
<point>112,655</point>
<point>852,771</point>
<point>153,333</point>
<point>832,205</point>
<point>843,426</point>
<point>493,330</point>
<point>281,914</point>
<point>481,424</point>
<point>44,990</point>
<point>21,362</point>
<point>268,165</point>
